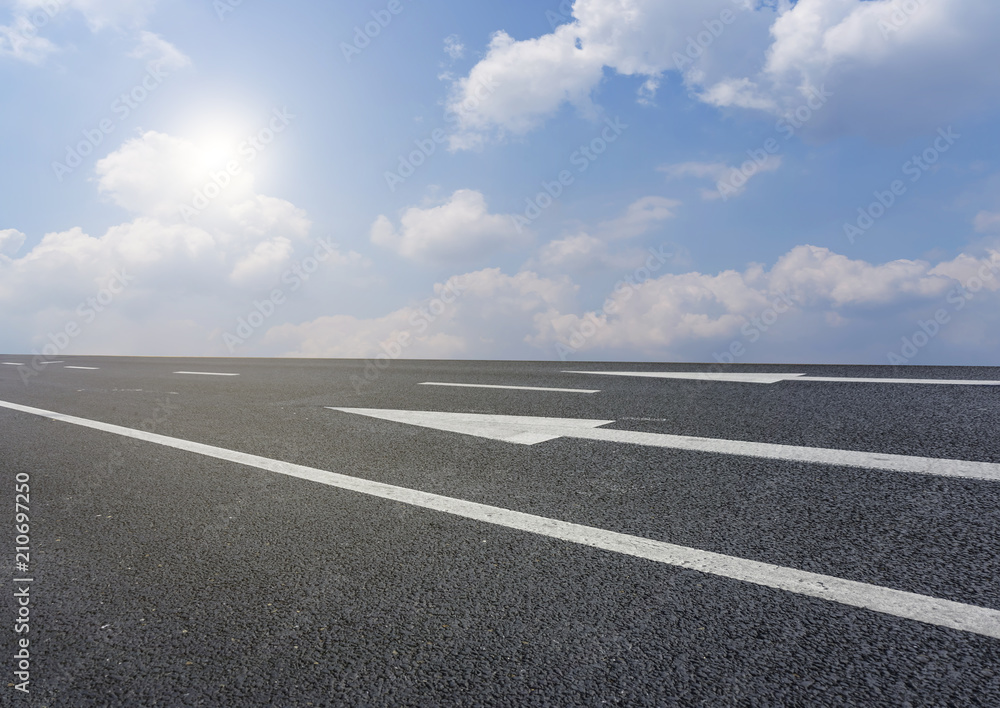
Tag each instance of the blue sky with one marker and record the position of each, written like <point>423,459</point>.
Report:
<point>381,179</point>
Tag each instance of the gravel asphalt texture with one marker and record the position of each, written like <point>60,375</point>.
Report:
<point>165,578</point>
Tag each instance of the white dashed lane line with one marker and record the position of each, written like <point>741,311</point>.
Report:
<point>204,373</point>
<point>511,388</point>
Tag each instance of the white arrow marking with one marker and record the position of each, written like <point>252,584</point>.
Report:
<point>897,603</point>
<point>512,388</point>
<point>526,430</point>
<point>777,378</point>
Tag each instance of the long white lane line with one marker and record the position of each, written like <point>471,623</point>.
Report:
<point>898,603</point>
<point>697,376</point>
<point>203,373</point>
<point>512,388</point>
<point>778,378</point>
<point>989,471</point>
<point>13,363</point>
<point>530,430</point>
<point>941,382</point>
<point>84,368</point>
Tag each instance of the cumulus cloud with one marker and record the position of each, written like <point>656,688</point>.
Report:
<point>11,241</point>
<point>188,280</point>
<point>534,77</point>
<point>461,229</point>
<point>585,251</point>
<point>810,302</point>
<point>836,300</point>
<point>893,66</point>
<point>482,314</point>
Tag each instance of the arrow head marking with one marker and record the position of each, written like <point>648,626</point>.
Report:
<point>523,430</point>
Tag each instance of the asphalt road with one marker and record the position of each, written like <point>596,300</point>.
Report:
<point>161,576</point>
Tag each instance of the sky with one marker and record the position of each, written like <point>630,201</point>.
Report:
<point>728,181</point>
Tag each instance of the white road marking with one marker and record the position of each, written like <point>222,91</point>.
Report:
<point>13,363</point>
<point>85,368</point>
<point>898,603</point>
<point>940,382</point>
<point>526,430</point>
<point>778,378</point>
<point>203,373</point>
<point>697,376</point>
<point>513,388</point>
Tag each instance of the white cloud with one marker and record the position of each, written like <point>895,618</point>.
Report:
<point>812,303</point>
<point>584,251</point>
<point>461,229</point>
<point>729,181</point>
<point>188,281</point>
<point>98,13</point>
<point>156,174</point>
<point>20,41</point>
<point>693,315</point>
<point>530,80</point>
<point>893,67</point>
<point>482,314</point>
<point>11,241</point>
<point>534,77</point>
<point>640,216</point>
<point>453,47</point>
<point>159,51</point>
<point>577,252</point>
<point>987,221</point>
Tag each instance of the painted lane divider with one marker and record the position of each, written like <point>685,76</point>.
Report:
<point>512,388</point>
<point>897,603</point>
<point>527,430</point>
<point>203,373</point>
<point>84,368</point>
<point>777,378</point>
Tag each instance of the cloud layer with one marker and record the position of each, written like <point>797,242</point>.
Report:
<point>893,66</point>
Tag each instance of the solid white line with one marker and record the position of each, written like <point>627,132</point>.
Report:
<point>943,382</point>
<point>778,378</point>
<point>513,388</point>
<point>898,603</point>
<point>989,471</point>
<point>85,368</point>
<point>697,376</point>
<point>203,373</point>
<point>13,363</point>
<point>529,430</point>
